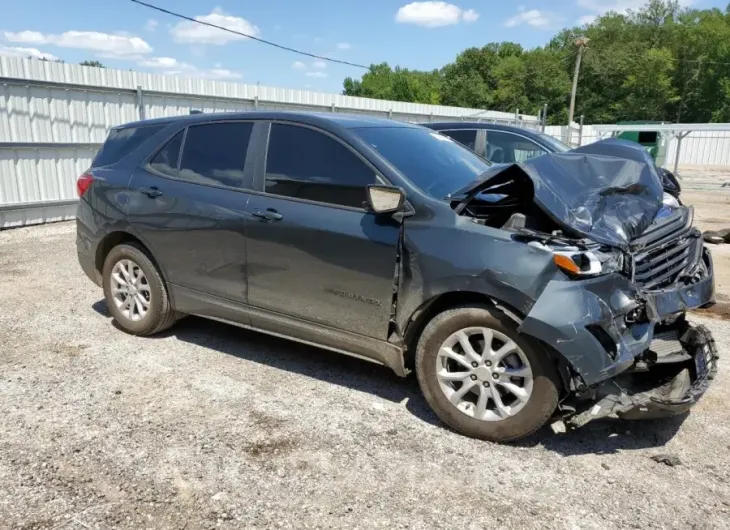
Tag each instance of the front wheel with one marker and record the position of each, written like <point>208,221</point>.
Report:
<point>135,293</point>
<point>482,378</point>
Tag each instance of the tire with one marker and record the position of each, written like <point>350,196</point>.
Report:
<point>531,413</point>
<point>159,315</point>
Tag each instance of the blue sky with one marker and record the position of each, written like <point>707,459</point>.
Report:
<point>421,35</point>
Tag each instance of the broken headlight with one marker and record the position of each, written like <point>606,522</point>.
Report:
<point>583,263</point>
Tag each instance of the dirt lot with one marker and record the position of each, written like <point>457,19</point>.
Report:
<point>212,426</point>
<point>712,212</point>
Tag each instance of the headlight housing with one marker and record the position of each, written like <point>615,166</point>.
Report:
<point>670,200</point>
<point>582,263</point>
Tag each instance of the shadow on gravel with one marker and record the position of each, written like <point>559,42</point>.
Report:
<point>600,437</point>
<point>298,358</point>
<point>607,436</point>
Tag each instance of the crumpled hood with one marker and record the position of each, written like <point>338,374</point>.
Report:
<point>608,191</point>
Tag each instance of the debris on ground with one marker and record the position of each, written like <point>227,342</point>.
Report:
<point>716,237</point>
<point>667,459</point>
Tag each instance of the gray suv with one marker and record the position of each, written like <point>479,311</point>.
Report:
<point>550,290</point>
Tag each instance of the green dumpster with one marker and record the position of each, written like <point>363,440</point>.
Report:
<point>654,142</point>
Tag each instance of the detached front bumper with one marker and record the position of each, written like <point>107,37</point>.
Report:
<point>670,386</point>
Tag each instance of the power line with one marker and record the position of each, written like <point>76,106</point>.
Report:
<point>281,47</point>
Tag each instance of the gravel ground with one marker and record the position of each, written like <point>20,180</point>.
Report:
<point>212,426</point>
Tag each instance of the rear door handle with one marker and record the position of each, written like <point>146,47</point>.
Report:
<point>151,192</point>
<point>267,215</point>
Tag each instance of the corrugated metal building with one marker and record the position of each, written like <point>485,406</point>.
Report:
<point>54,116</point>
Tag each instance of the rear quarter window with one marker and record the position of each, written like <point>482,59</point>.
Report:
<point>121,142</point>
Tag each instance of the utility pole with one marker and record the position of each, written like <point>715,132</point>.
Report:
<point>582,43</point>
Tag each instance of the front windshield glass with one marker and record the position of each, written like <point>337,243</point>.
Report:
<point>431,161</point>
<point>556,144</point>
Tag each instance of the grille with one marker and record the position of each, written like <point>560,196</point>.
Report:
<point>663,253</point>
<point>659,267</point>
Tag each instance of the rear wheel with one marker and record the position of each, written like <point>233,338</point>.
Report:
<point>135,292</point>
<point>482,378</point>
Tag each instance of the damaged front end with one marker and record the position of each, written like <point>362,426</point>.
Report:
<point>666,380</point>
<point>632,268</point>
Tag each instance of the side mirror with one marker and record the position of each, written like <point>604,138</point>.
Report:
<point>385,199</point>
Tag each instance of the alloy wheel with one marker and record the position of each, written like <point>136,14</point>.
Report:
<point>484,373</point>
<point>130,290</point>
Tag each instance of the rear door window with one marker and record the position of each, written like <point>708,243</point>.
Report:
<point>165,161</point>
<point>466,137</point>
<point>215,153</point>
<point>121,142</point>
<point>508,148</point>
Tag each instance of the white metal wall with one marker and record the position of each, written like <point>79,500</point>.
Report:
<point>703,148</point>
<point>53,116</point>
<point>709,149</point>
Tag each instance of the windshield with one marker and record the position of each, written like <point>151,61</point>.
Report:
<point>431,161</point>
<point>554,143</point>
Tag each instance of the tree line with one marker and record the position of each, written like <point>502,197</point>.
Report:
<point>661,62</point>
<point>95,64</point>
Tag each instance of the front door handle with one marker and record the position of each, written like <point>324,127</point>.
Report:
<point>151,192</point>
<point>267,215</point>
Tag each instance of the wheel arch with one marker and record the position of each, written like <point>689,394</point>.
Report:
<point>119,237</point>
<point>450,300</point>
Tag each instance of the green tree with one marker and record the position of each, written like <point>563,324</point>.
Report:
<point>659,62</point>
<point>398,84</point>
<point>648,90</point>
<point>95,64</point>
<point>547,81</point>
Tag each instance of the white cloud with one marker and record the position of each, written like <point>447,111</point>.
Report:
<point>151,24</point>
<point>434,14</point>
<point>469,16</point>
<point>190,32</point>
<point>343,46</point>
<point>313,69</point>
<point>165,62</point>
<point>220,73</point>
<point>172,66</point>
<point>533,17</point>
<point>35,53</point>
<point>600,7</point>
<point>587,19</point>
<point>27,37</point>
<point>103,44</point>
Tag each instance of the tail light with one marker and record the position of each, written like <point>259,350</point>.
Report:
<point>84,183</point>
